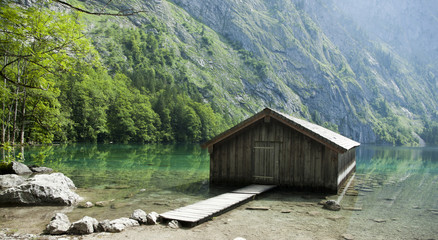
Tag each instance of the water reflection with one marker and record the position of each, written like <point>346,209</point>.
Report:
<point>398,193</point>
<point>151,167</point>
<point>395,187</point>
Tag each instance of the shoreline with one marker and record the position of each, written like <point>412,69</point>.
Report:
<point>290,216</point>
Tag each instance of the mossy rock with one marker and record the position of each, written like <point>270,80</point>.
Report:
<point>5,168</point>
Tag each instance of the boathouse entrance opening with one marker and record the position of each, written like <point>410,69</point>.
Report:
<point>266,158</point>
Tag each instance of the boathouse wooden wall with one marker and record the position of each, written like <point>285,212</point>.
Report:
<point>295,160</point>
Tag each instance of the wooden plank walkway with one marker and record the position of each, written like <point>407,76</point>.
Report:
<point>204,210</point>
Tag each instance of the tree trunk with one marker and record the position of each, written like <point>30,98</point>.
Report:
<point>4,121</point>
<point>9,120</point>
<point>14,128</point>
<point>23,124</point>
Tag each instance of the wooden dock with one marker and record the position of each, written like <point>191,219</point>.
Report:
<point>202,211</point>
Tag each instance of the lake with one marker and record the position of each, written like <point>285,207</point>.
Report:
<point>397,186</point>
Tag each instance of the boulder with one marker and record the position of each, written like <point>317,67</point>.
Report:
<point>140,216</point>
<point>332,205</point>
<point>43,189</point>
<point>11,180</point>
<point>58,225</point>
<point>59,178</point>
<point>86,225</point>
<point>37,169</point>
<point>153,218</point>
<point>15,168</point>
<point>117,225</point>
<point>104,226</point>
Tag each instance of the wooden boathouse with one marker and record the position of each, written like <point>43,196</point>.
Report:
<point>273,148</point>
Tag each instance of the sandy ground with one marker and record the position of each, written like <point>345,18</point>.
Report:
<point>306,221</point>
<point>290,216</point>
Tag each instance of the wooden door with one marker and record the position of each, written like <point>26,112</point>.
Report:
<point>266,156</point>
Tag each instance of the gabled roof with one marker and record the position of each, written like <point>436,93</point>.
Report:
<point>323,135</point>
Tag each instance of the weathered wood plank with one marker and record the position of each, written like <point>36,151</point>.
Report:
<point>224,162</point>
<point>249,167</point>
<point>254,189</point>
<point>288,158</point>
<point>239,157</point>
<point>206,209</point>
<point>318,166</point>
<point>232,161</point>
<point>215,164</point>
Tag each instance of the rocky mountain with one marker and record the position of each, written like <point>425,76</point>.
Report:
<point>367,70</point>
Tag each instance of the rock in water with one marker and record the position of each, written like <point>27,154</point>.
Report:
<point>117,225</point>
<point>10,180</point>
<point>59,178</point>
<point>15,168</point>
<point>37,169</point>
<point>85,205</point>
<point>332,205</point>
<point>153,218</point>
<point>53,189</point>
<point>86,225</point>
<point>58,225</point>
<point>140,216</point>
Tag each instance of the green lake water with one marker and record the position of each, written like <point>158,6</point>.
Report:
<point>398,186</point>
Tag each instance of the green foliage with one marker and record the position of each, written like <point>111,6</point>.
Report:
<point>8,155</point>
<point>144,95</point>
<point>257,64</point>
<point>430,133</point>
<point>37,45</point>
<point>142,99</point>
<point>389,127</point>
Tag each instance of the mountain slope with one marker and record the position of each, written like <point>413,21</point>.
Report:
<point>340,73</point>
<point>309,59</point>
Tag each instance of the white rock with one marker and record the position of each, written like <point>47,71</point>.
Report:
<point>117,225</point>
<point>43,189</point>
<point>58,225</point>
<point>11,180</point>
<point>174,224</point>
<point>153,218</point>
<point>86,225</point>
<point>140,216</point>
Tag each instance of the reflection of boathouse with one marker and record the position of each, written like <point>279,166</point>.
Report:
<point>273,148</point>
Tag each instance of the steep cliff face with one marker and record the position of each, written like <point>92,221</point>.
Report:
<point>407,26</point>
<point>313,59</point>
<point>340,73</point>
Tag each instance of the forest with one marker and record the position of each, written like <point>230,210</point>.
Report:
<point>68,76</point>
<point>56,87</point>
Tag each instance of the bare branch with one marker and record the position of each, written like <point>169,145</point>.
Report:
<point>128,12</point>
<point>20,84</point>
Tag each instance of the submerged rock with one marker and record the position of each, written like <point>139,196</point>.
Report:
<point>86,225</point>
<point>140,216</point>
<point>86,205</point>
<point>44,189</point>
<point>332,205</point>
<point>379,220</point>
<point>314,213</point>
<point>11,180</point>
<point>59,224</point>
<point>347,236</point>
